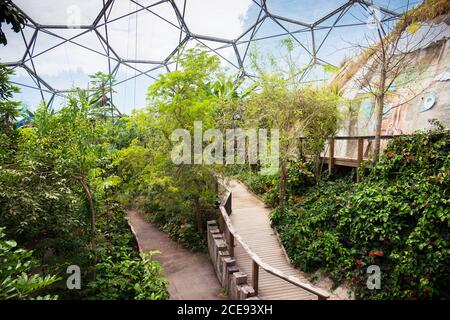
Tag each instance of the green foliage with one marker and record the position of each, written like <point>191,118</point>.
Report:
<point>53,159</point>
<point>397,218</point>
<point>401,208</point>
<point>100,97</point>
<point>121,273</point>
<point>300,177</point>
<point>180,198</point>
<point>330,68</point>
<point>16,280</point>
<point>10,15</point>
<point>308,227</point>
<point>57,186</point>
<point>264,185</point>
<point>8,113</point>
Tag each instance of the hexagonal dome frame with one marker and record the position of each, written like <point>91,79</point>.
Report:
<point>115,61</point>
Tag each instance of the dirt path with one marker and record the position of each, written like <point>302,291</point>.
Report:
<point>191,275</point>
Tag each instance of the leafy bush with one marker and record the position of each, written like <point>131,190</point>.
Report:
<point>300,177</point>
<point>398,218</point>
<point>258,183</point>
<point>401,209</point>
<point>16,279</point>
<point>308,225</point>
<point>57,188</point>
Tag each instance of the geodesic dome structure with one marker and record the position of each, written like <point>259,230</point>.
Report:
<point>135,40</point>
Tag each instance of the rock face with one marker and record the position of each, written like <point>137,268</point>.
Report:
<point>420,93</point>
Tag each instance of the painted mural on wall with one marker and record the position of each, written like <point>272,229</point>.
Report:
<point>419,94</point>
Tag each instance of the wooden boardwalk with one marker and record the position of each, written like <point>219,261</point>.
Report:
<point>250,218</point>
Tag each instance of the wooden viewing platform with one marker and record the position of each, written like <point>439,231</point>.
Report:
<point>361,154</point>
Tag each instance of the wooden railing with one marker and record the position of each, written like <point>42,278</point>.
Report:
<point>231,235</point>
<point>361,154</point>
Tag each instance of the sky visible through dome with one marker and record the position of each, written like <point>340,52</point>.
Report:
<point>153,33</point>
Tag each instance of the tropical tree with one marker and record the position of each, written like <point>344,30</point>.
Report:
<point>182,193</point>
<point>100,94</point>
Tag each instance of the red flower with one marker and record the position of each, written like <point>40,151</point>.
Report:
<point>409,158</point>
<point>297,199</point>
<point>389,154</point>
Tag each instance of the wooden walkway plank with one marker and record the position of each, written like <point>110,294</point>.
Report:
<point>250,218</point>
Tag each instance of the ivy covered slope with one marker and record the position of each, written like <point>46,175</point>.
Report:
<point>57,200</point>
<point>398,218</point>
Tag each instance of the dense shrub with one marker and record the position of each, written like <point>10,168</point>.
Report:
<point>57,188</point>
<point>180,226</point>
<point>401,209</point>
<point>299,178</point>
<point>121,273</point>
<point>398,218</point>
<point>16,278</point>
<point>308,227</point>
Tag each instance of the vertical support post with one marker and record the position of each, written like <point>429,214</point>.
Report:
<point>255,277</point>
<point>231,244</point>
<point>330,155</point>
<point>360,157</point>
<point>228,205</point>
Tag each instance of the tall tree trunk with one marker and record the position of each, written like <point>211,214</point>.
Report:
<point>379,97</point>
<point>283,178</point>
<point>379,121</point>
<point>379,101</point>
<point>91,207</point>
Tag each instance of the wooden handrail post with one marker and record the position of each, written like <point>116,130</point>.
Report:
<point>231,246</point>
<point>255,276</point>
<point>360,157</point>
<point>330,156</point>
